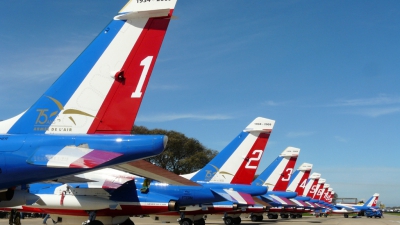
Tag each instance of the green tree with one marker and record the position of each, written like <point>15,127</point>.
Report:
<point>182,155</point>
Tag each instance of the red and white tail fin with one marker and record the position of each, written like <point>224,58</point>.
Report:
<point>277,175</point>
<point>101,91</point>
<point>331,195</point>
<point>318,188</point>
<point>372,201</point>
<point>327,195</point>
<point>323,191</point>
<point>311,185</point>
<point>237,163</point>
<point>300,177</point>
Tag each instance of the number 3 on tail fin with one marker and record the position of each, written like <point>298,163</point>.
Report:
<point>146,65</point>
<point>289,174</point>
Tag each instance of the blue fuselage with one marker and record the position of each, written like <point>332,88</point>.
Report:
<point>22,156</point>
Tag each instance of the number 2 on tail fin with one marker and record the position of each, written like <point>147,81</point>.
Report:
<point>255,159</point>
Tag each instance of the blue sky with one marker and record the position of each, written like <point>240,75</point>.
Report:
<point>326,71</point>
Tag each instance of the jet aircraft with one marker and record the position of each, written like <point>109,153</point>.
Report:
<point>116,195</point>
<point>369,204</point>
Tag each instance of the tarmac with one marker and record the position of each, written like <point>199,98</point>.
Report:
<point>331,220</point>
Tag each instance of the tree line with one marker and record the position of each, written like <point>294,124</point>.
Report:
<point>182,155</point>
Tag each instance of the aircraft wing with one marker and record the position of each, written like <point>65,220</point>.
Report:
<point>148,170</point>
<point>234,196</point>
<point>277,200</point>
<point>70,157</point>
<point>71,179</point>
<point>261,202</point>
<point>299,203</point>
<point>119,174</point>
<point>345,207</point>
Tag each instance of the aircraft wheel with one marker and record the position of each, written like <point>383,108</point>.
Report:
<point>128,222</point>
<point>299,215</point>
<point>253,218</point>
<point>346,216</point>
<point>237,220</point>
<point>187,221</point>
<point>96,222</point>
<point>292,216</point>
<point>260,218</point>
<point>275,216</point>
<point>271,216</point>
<point>199,222</point>
<point>228,220</point>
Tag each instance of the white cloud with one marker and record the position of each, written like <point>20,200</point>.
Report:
<point>299,134</point>
<point>341,139</point>
<point>380,100</point>
<point>371,107</point>
<point>273,103</point>
<point>375,112</point>
<point>171,117</point>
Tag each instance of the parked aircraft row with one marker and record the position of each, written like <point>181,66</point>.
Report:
<point>71,153</point>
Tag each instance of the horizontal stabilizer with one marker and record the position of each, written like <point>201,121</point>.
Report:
<point>260,124</point>
<point>71,179</point>
<point>299,203</point>
<point>234,196</point>
<point>144,14</point>
<point>70,157</point>
<point>277,201</point>
<point>148,170</point>
<point>261,202</point>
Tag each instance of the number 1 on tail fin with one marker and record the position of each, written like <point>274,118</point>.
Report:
<point>90,97</point>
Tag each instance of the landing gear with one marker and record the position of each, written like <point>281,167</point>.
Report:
<point>272,216</point>
<point>127,222</point>
<point>199,222</point>
<point>186,221</point>
<point>284,216</point>
<point>254,218</point>
<point>293,216</point>
<point>228,220</point>
<point>300,215</point>
<point>346,215</point>
<point>92,219</point>
<point>237,220</point>
<point>95,222</point>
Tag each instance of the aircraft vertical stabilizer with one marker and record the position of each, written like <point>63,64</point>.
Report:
<point>372,201</point>
<point>299,178</point>
<point>311,185</point>
<point>237,163</point>
<point>101,91</point>
<point>277,175</point>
